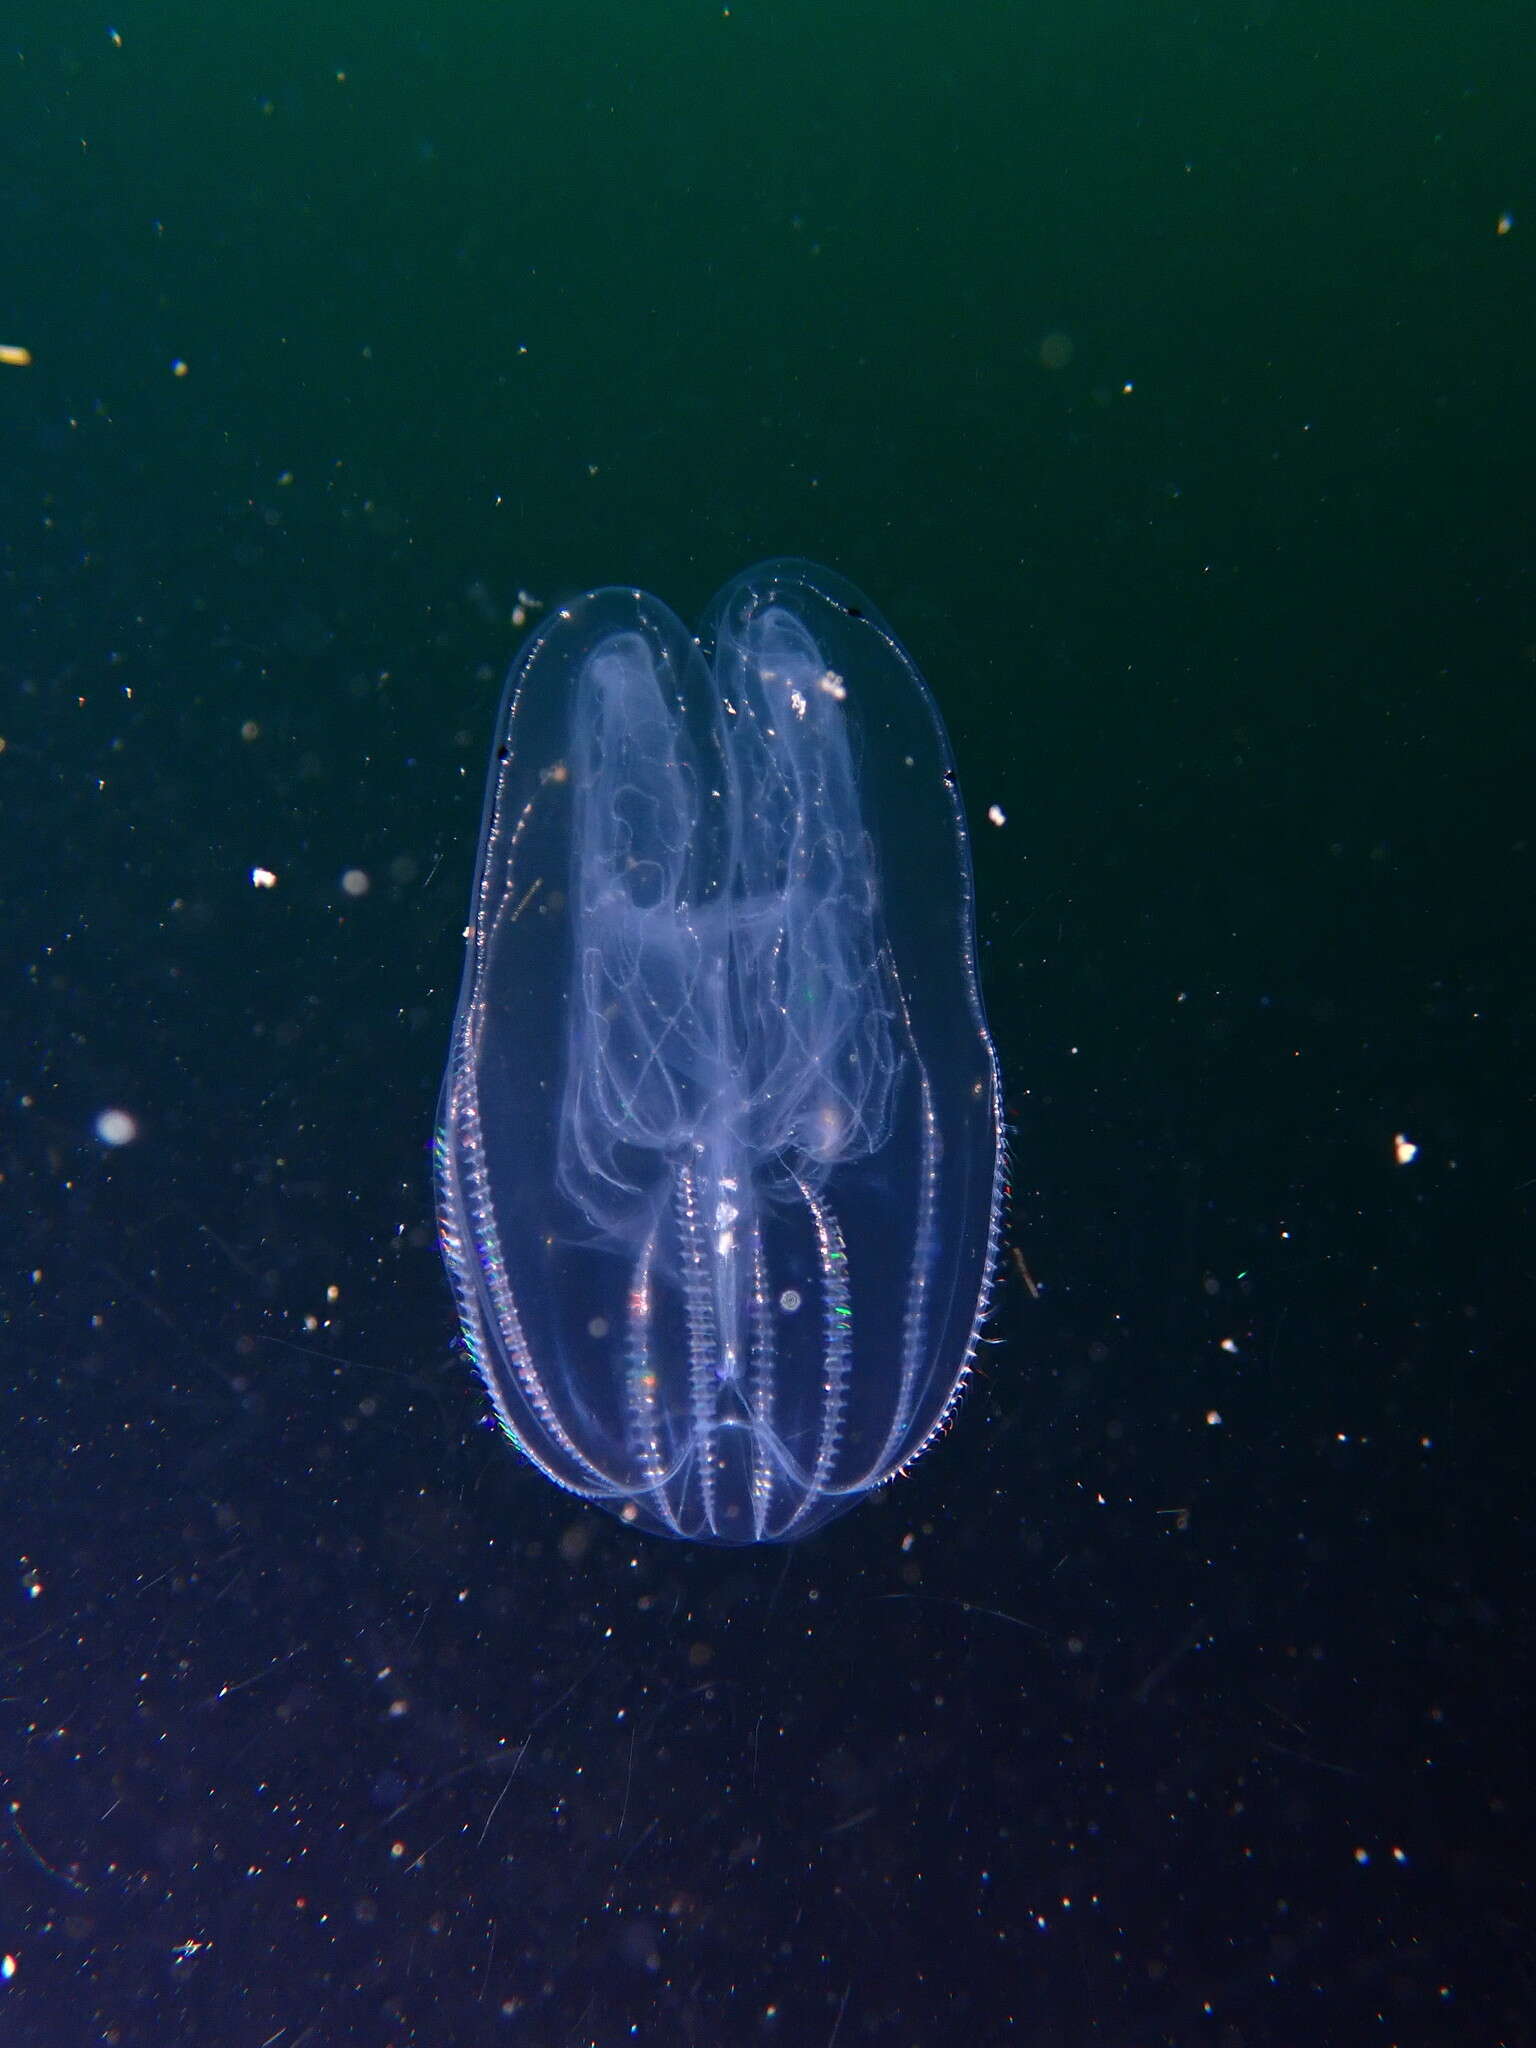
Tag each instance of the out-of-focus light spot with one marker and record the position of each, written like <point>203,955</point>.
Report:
<point>13,353</point>
<point>1213,1417</point>
<point>178,367</point>
<point>1404,1150</point>
<point>116,1127</point>
<point>355,882</point>
<point>1505,223</point>
<point>1056,350</point>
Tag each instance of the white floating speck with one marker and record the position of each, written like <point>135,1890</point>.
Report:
<point>1404,1150</point>
<point>116,1127</point>
<point>355,882</point>
<point>263,878</point>
<point>996,814</point>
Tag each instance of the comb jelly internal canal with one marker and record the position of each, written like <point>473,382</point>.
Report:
<point>719,1159</point>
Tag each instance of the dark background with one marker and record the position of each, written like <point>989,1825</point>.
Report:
<point>1164,374</point>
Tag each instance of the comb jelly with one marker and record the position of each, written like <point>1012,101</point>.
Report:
<point>719,1160</point>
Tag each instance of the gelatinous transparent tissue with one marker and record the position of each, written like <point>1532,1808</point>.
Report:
<point>719,1158</point>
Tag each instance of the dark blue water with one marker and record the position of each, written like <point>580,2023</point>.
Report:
<point>719,1160</point>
